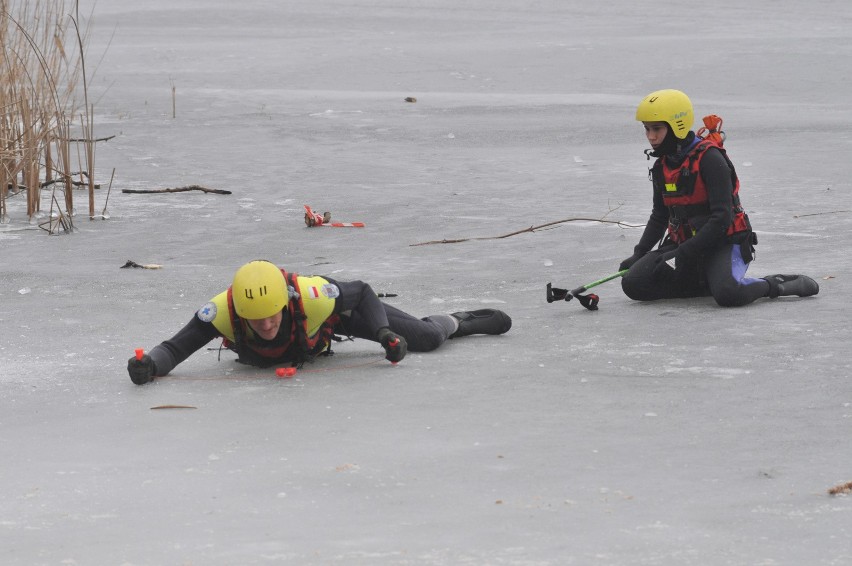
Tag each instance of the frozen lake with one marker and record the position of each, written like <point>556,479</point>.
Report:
<point>670,433</point>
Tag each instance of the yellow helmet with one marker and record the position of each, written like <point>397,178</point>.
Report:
<point>670,106</point>
<point>259,290</point>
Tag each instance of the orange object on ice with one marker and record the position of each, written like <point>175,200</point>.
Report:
<point>313,218</point>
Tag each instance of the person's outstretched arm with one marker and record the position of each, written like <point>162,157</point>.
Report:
<point>163,357</point>
<point>179,347</point>
<point>359,297</point>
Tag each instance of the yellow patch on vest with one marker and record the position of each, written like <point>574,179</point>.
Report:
<point>316,301</point>
<point>222,322</point>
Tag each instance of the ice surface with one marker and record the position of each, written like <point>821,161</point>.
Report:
<point>670,433</point>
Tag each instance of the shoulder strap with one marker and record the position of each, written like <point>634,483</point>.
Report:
<point>236,323</point>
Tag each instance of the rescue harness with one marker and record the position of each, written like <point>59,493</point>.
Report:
<point>298,348</point>
<point>685,194</point>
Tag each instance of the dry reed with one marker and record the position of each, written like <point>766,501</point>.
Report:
<point>43,95</point>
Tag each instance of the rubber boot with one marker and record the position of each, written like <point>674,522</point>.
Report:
<point>484,321</point>
<point>787,285</point>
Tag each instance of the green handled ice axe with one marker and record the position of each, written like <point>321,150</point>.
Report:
<point>589,301</point>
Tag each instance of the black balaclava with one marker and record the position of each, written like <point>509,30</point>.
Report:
<point>672,146</point>
<point>669,145</point>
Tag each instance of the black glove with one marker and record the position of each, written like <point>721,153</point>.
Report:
<point>395,345</point>
<point>666,262</point>
<point>628,263</point>
<point>141,370</point>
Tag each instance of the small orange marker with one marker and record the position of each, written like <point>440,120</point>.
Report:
<point>394,342</point>
<point>139,353</point>
<point>285,372</point>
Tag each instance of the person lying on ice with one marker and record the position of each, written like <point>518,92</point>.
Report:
<point>270,317</point>
<point>709,243</point>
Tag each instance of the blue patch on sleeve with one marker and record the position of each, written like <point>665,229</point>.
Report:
<point>207,313</point>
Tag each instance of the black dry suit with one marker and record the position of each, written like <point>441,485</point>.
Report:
<point>696,204</point>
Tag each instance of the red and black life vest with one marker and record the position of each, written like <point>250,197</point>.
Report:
<point>299,347</point>
<point>685,194</point>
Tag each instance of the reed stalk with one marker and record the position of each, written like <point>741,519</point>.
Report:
<point>43,95</point>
